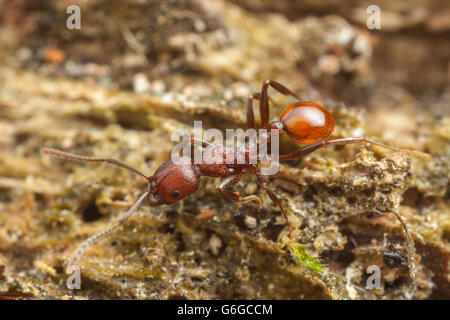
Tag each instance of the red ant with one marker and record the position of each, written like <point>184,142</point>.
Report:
<point>305,122</point>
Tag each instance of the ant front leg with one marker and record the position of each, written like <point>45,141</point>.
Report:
<point>194,141</point>
<point>231,180</point>
<point>264,99</point>
<point>201,142</point>
<point>303,151</point>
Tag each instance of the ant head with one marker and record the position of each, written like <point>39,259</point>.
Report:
<point>307,122</point>
<point>172,181</point>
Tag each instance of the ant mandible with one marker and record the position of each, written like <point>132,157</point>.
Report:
<point>305,122</point>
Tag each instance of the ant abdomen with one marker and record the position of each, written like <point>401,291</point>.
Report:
<point>307,122</point>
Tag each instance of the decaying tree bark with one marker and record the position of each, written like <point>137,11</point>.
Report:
<point>134,73</point>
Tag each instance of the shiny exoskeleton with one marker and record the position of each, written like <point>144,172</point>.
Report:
<point>305,122</point>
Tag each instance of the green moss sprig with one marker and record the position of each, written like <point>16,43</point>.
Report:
<point>298,250</point>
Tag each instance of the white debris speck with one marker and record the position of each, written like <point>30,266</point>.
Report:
<point>215,244</point>
<point>251,222</point>
<point>358,132</point>
<point>140,83</point>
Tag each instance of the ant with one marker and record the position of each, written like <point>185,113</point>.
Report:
<point>305,122</point>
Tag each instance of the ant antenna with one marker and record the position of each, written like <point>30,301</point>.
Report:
<point>70,156</point>
<point>77,255</point>
<point>312,147</point>
<point>411,152</point>
<point>65,155</point>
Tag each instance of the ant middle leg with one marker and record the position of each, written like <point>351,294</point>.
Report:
<point>277,201</point>
<point>303,151</point>
<point>231,180</point>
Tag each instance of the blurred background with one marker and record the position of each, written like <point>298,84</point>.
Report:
<point>136,70</point>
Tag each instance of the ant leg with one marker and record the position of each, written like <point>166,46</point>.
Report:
<point>277,201</point>
<point>201,142</point>
<point>70,156</point>
<point>250,113</point>
<point>303,151</point>
<point>222,188</point>
<point>77,255</point>
<point>191,141</point>
<point>264,100</point>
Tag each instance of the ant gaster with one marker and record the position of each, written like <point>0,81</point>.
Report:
<point>305,122</point>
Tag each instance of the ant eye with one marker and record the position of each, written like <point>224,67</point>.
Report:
<point>307,122</point>
<point>175,193</point>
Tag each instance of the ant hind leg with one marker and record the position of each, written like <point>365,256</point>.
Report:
<point>264,99</point>
<point>250,112</point>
